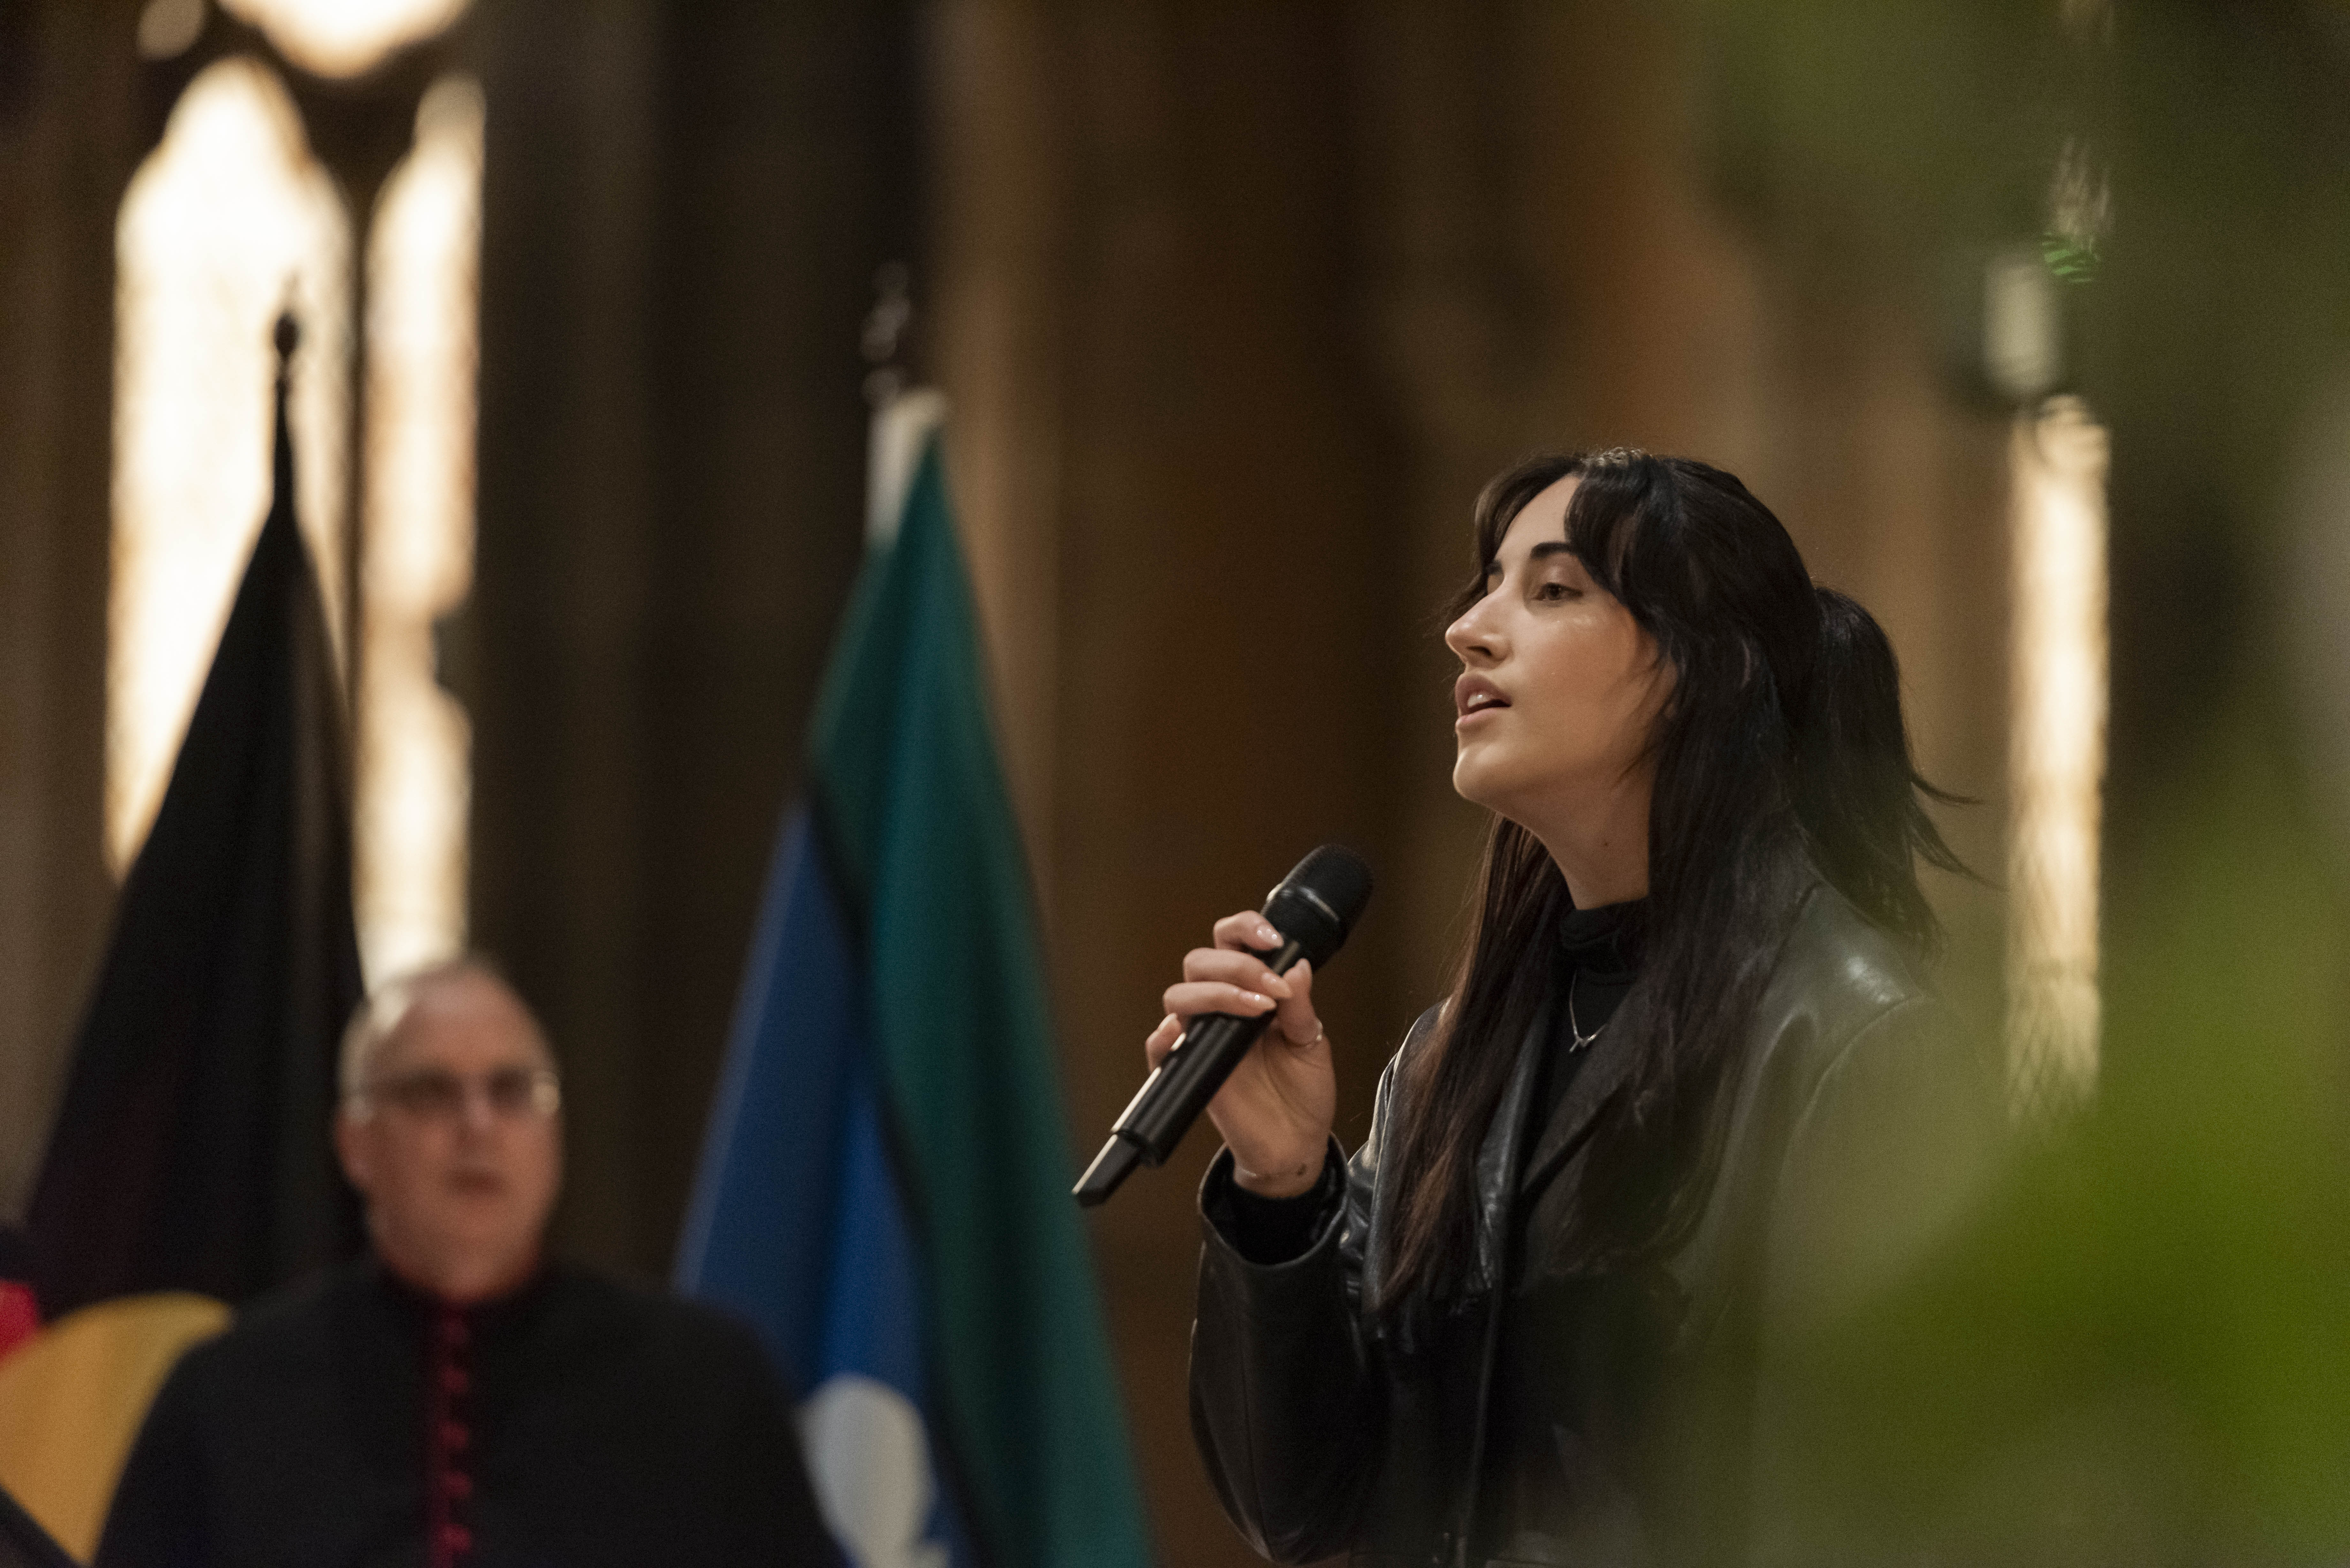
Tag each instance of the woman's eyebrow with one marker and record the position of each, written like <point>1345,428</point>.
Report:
<point>1539,552</point>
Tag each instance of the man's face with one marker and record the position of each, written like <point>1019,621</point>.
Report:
<point>456,1138</point>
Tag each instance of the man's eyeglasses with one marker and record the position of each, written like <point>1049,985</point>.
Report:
<point>431,1094</point>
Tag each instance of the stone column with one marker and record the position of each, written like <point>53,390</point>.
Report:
<point>681,225</point>
<point>68,140</point>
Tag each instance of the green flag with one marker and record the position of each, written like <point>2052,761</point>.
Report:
<point>912,813</point>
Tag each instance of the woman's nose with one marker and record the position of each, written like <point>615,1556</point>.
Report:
<point>1472,637</point>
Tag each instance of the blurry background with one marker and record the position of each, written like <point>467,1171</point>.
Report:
<point>1236,306</point>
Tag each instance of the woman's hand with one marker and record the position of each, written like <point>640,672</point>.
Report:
<point>1276,1109</point>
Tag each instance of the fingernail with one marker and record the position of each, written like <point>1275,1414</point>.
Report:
<point>1267,934</point>
<point>1261,1000</point>
<point>1274,983</point>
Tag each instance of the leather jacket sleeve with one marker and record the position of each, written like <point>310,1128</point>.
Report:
<point>1288,1400</point>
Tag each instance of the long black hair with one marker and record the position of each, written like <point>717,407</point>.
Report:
<point>1780,758</point>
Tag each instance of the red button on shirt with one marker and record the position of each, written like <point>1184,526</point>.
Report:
<point>446,1483</point>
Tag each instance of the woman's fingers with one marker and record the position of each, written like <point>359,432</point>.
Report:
<point>1245,970</point>
<point>1231,978</point>
<point>1161,1040</point>
<point>1189,998</point>
<point>1297,1019</point>
<point>1246,929</point>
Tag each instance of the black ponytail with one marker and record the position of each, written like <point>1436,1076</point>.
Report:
<point>1857,791</point>
<point>1781,760</point>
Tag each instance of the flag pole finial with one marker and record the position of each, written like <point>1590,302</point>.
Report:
<point>887,337</point>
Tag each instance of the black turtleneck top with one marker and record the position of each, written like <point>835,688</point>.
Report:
<point>1579,1351</point>
<point>1598,958</point>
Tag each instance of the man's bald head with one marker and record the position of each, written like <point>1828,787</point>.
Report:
<point>467,985</point>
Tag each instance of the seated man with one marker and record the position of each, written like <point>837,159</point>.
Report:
<point>455,1397</point>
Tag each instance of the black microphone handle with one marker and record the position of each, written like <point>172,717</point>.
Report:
<point>1178,1089</point>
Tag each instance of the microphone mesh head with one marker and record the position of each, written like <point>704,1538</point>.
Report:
<point>1335,877</point>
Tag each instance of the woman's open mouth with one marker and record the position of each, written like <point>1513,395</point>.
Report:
<point>1474,695</point>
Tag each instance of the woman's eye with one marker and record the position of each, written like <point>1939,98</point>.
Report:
<point>1555,591</point>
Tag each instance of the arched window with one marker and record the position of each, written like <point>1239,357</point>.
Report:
<point>229,221</point>
<point>233,218</point>
<point>417,551</point>
<point>345,38</point>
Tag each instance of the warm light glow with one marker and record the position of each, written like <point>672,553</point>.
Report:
<point>2057,759</point>
<point>169,28</point>
<point>227,222</point>
<point>345,38</point>
<point>417,565</point>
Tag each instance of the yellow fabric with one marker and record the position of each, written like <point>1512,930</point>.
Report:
<point>72,1398</point>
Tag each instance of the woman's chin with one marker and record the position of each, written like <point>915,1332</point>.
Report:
<point>1473,781</point>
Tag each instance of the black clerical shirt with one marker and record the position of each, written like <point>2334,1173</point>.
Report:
<point>580,1422</point>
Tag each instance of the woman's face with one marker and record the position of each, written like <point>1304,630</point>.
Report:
<point>1560,688</point>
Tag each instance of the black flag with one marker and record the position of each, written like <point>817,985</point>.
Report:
<point>23,1543</point>
<point>192,1150</point>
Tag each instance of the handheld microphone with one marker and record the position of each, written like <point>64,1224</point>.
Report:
<point>1312,907</point>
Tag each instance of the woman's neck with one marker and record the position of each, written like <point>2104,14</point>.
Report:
<point>1600,843</point>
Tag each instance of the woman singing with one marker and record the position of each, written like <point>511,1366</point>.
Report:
<point>1688,1085</point>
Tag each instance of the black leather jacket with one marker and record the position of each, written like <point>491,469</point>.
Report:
<point>1856,1119</point>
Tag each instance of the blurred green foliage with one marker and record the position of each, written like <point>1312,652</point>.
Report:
<point>2139,1350</point>
<point>2137,1353</point>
